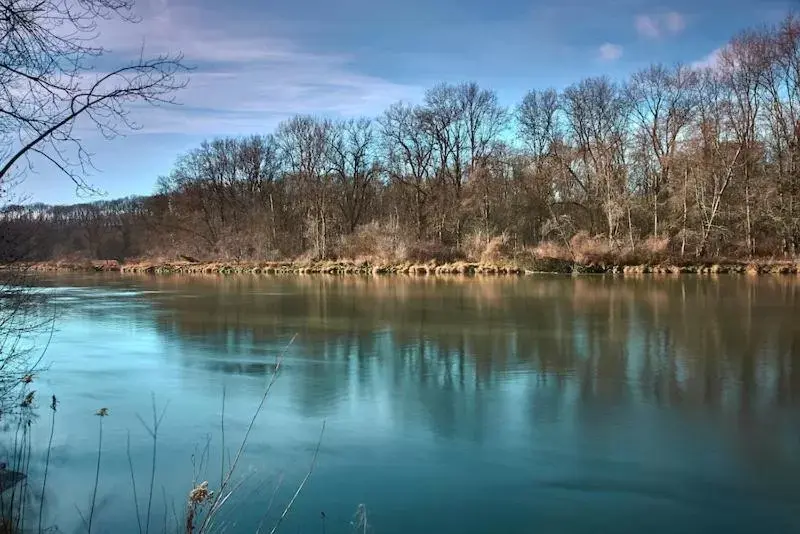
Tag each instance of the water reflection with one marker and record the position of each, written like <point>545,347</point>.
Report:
<point>728,342</point>
<point>672,341</point>
<point>665,388</point>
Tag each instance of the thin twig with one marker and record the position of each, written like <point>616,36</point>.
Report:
<point>222,431</point>
<point>96,477</point>
<point>216,504</point>
<point>25,484</point>
<point>269,505</point>
<point>16,467</point>
<point>164,493</point>
<point>49,340</point>
<point>157,419</point>
<point>83,518</point>
<point>47,459</point>
<point>175,516</point>
<point>133,484</point>
<point>303,483</point>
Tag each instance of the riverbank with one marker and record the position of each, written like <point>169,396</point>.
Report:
<point>344,267</point>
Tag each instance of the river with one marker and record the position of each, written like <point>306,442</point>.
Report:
<point>514,405</point>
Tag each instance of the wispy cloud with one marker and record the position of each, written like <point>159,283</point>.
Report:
<point>246,78</point>
<point>655,26</point>
<point>222,102</point>
<point>709,61</point>
<point>674,22</point>
<point>609,52</point>
<point>646,26</point>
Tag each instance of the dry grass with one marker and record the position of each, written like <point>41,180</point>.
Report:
<point>487,248</point>
<point>381,249</point>
<point>584,249</point>
<point>431,251</point>
<point>594,250</point>
<point>375,243</point>
<point>550,249</point>
<point>656,245</point>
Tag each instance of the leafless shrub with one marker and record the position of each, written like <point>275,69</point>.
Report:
<point>483,247</point>
<point>590,249</point>
<point>550,249</point>
<point>375,242</point>
<point>433,251</point>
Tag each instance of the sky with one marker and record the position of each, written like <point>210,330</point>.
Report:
<point>259,62</point>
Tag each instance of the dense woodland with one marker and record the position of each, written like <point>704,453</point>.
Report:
<point>676,160</point>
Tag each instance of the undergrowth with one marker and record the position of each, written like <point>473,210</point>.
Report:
<point>22,507</point>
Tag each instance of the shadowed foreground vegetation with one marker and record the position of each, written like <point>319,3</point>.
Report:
<point>24,493</point>
<point>677,163</point>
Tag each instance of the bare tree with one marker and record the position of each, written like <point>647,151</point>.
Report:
<point>538,122</point>
<point>441,117</point>
<point>547,177</point>
<point>661,108</point>
<point>781,83</point>
<point>408,156</point>
<point>485,120</point>
<point>198,190</point>
<point>596,117</point>
<point>704,160</point>
<point>717,155</point>
<point>48,82</point>
<point>465,122</point>
<point>303,142</point>
<point>260,165</point>
<point>353,163</point>
<point>742,66</point>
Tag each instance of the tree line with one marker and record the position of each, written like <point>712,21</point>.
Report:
<point>676,160</point>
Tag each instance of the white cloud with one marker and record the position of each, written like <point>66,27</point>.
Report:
<point>647,26</point>
<point>654,26</point>
<point>674,22</point>
<point>247,78</point>
<point>256,99</point>
<point>610,52</point>
<point>710,61</point>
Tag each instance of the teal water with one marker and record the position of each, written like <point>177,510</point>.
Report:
<point>538,404</point>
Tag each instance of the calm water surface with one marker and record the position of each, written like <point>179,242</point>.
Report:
<point>537,404</point>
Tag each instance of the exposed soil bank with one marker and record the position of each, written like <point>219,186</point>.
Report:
<point>527,266</point>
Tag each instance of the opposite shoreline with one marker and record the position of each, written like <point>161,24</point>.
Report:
<point>344,267</point>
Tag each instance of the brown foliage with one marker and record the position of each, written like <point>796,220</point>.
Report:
<point>482,247</point>
<point>375,242</point>
<point>593,176</point>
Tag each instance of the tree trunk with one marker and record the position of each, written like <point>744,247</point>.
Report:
<point>655,214</point>
<point>323,232</point>
<point>272,218</point>
<point>685,211</point>
<point>420,214</point>
<point>630,226</point>
<point>748,237</point>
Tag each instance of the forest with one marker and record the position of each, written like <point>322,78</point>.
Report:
<point>678,161</point>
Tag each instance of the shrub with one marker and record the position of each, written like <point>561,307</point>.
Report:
<point>373,242</point>
<point>433,251</point>
<point>588,249</point>
<point>550,249</point>
<point>654,249</point>
<point>585,249</point>
<point>487,248</point>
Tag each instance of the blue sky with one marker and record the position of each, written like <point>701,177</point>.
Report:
<point>258,62</point>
